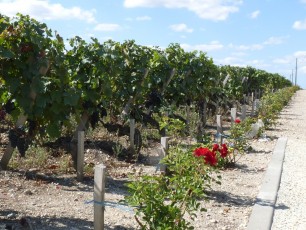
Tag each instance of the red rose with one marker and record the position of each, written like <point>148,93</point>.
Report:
<point>200,151</point>
<point>215,147</point>
<point>237,121</point>
<point>223,150</point>
<point>211,158</point>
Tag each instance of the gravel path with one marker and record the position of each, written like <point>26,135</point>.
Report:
<point>290,206</point>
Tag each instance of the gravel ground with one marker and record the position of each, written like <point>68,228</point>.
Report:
<point>51,202</point>
<point>290,210</point>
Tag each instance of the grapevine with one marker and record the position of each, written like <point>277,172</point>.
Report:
<point>18,139</point>
<point>49,84</point>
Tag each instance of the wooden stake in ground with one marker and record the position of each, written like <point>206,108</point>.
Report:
<point>243,112</point>
<point>219,129</point>
<point>81,127</point>
<point>163,152</point>
<point>99,191</point>
<point>233,115</point>
<point>257,104</point>
<point>80,158</point>
<point>132,134</point>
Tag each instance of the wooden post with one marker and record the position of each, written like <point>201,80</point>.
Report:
<point>132,133</point>
<point>253,109</point>
<point>74,142</point>
<point>257,103</point>
<point>80,156</point>
<point>243,112</point>
<point>244,98</point>
<point>188,118</point>
<point>219,129</point>
<point>164,151</point>
<point>233,115</point>
<point>249,94</point>
<point>99,191</point>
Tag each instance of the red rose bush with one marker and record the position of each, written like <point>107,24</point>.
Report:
<point>217,155</point>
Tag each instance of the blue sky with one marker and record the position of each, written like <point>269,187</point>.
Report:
<point>266,34</point>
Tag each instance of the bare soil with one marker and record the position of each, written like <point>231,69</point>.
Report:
<point>42,198</point>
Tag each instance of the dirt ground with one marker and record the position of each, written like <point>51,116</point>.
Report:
<point>40,199</point>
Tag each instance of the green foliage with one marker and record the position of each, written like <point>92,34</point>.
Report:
<point>173,126</point>
<point>49,84</point>
<point>237,139</point>
<point>272,103</point>
<point>37,158</point>
<point>163,200</point>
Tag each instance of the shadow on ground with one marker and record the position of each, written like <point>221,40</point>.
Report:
<point>230,199</point>
<point>10,219</point>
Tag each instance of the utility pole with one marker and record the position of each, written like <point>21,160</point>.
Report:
<point>295,71</point>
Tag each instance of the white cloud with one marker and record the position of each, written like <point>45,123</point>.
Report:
<point>246,47</point>
<point>233,61</point>
<point>284,60</point>
<point>215,10</point>
<point>106,27</point>
<point>289,60</point>
<point>299,25</point>
<point>106,38</point>
<point>274,41</point>
<point>301,55</point>
<point>239,54</point>
<point>140,18</point>
<point>213,45</point>
<point>255,14</point>
<point>143,18</point>
<point>243,62</point>
<point>44,10</point>
<point>181,28</point>
<point>259,46</point>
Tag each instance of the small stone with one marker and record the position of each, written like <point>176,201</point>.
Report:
<point>214,221</point>
<point>28,192</point>
<point>11,215</point>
